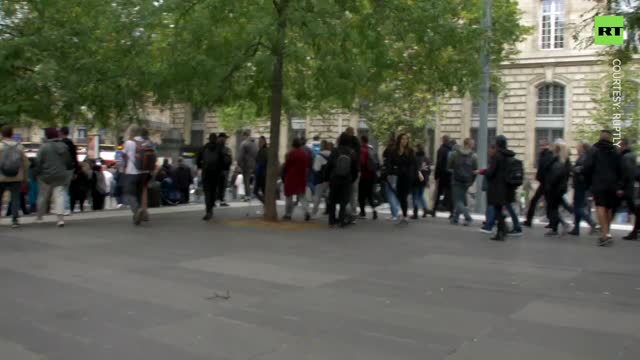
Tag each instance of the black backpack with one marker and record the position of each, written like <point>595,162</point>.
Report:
<point>463,168</point>
<point>11,161</point>
<point>321,174</point>
<point>343,166</point>
<point>515,172</point>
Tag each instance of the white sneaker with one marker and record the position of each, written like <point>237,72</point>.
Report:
<point>60,224</point>
<point>392,218</point>
<point>67,213</point>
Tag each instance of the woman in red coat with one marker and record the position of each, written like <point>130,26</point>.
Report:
<point>295,175</point>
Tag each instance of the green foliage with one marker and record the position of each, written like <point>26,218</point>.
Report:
<point>611,112</point>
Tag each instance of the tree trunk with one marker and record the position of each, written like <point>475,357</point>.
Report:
<point>273,164</point>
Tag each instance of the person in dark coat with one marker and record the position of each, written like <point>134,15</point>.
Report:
<point>340,186</point>
<point>80,187</point>
<point>556,185</point>
<point>404,165</point>
<point>184,179</point>
<point>627,194</point>
<point>294,174</point>
<point>223,179</point>
<point>389,180</point>
<point>443,177</point>
<point>211,165</point>
<point>499,192</point>
<point>580,191</point>
<point>261,169</point>
<point>368,176</point>
<point>422,164</point>
<point>98,187</point>
<point>603,171</point>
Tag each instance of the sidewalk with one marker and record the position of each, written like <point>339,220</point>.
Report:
<point>254,206</point>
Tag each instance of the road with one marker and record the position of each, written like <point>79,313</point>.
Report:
<point>236,288</point>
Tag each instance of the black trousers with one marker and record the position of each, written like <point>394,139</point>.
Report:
<point>534,201</point>
<point>633,209</point>
<point>210,186</point>
<point>403,189</point>
<point>222,186</point>
<point>553,210</point>
<point>97,201</point>
<point>443,188</point>
<point>339,195</point>
<point>365,193</point>
<point>259,188</point>
<point>77,197</point>
<point>23,205</point>
<point>184,195</point>
<point>502,225</point>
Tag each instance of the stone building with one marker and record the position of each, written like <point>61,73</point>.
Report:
<point>546,90</point>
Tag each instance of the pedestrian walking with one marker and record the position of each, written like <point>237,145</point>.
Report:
<point>211,164</point>
<point>73,151</point>
<point>417,194</point>
<point>603,171</point>
<point>107,173</point>
<point>356,147</point>
<point>14,170</point>
<point>443,178</point>
<point>227,160</point>
<point>99,187</point>
<point>389,179</point>
<point>627,193</point>
<point>580,191</point>
<point>140,158</point>
<point>463,165</point>
<point>322,183</point>
<point>501,191</point>
<point>80,186</point>
<point>369,166</point>
<point>54,169</point>
<point>403,163</point>
<point>556,185</point>
<point>294,176</point>
<point>247,160</point>
<point>262,159</point>
<point>341,173</point>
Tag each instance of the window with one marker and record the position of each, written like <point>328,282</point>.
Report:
<point>552,24</point>
<point>298,128</point>
<point>550,102</point>
<point>197,126</point>
<point>81,134</point>
<point>491,135</point>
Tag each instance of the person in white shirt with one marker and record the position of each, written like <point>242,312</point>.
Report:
<point>321,186</point>
<point>108,179</point>
<point>135,181</point>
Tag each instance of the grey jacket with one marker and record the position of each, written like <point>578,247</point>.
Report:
<point>247,156</point>
<point>53,164</point>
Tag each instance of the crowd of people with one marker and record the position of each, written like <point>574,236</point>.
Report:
<point>347,176</point>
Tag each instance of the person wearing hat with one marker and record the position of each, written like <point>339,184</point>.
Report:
<point>54,168</point>
<point>226,167</point>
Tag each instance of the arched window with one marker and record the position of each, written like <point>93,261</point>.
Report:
<point>550,113</point>
<point>552,24</point>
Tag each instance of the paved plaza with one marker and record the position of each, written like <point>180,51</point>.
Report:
<point>239,289</point>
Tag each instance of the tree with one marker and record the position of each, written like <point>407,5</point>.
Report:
<point>629,9</point>
<point>75,59</point>
<point>616,108</point>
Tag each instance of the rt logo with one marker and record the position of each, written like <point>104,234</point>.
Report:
<point>609,30</point>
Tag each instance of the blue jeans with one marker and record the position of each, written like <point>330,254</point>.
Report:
<point>491,218</point>
<point>418,198</point>
<point>460,202</point>
<point>579,208</point>
<point>394,204</point>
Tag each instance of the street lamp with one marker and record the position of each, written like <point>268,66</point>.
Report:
<point>485,61</point>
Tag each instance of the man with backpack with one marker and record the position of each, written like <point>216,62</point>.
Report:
<point>53,169</point>
<point>369,165</point>
<point>463,164</point>
<point>341,172</point>
<point>140,159</point>
<point>14,167</point>
<point>210,163</point>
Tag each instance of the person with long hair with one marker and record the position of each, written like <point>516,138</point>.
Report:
<point>403,165</point>
<point>556,185</point>
<point>580,191</point>
<point>389,178</point>
<point>417,194</point>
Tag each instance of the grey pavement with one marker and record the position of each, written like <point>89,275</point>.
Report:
<point>235,288</point>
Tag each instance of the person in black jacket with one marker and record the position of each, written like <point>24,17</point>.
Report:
<point>403,163</point>
<point>261,169</point>
<point>627,192</point>
<point>211,164</point>
<point>184,179</point>
<point>499,192</point>
<point>603,171</point>
<point>340,185</point>
<point>556,185</point>
<point>443,177</point>
<point>223,179</point>
<point>580,191</point>
<point>545,157</point>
